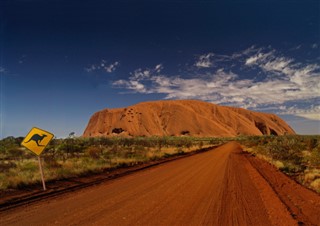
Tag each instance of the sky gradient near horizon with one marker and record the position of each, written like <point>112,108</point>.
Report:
<point>61,61</point>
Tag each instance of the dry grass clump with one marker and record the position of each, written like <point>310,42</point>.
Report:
<point>316,185</point>
<point>312,179</point>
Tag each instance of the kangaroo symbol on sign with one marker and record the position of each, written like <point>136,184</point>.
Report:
<point>37,138</point>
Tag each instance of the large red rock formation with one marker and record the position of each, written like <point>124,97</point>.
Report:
<point>184,117</point>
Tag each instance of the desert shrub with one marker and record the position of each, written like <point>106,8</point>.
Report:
<point>311,143</point>
<point>180,151</point>
<point>7,143</point>
<point>178,143</point>
<point>316,185</point>
<point>63,172</point>
<point>200,144</point>
<point>15,153</point>
<point>94,152</point>
<point>251,141</point>
<point>216,141</point>
<point>136,154</point>
<point>4,183</point>
<point>311,175</point>
<point>125,142</point>
<point>314,157</point>
<point>29,166</point>
<point>188,143</point>
<point>138,148</point>
<point>69,147</point>
<point>5,166</point>
<point>51,150</point>
<point>51,162</point>
<point>280,165</point>
<point>14,182</point>
<point>115,148</point>
<point>104,141</point>
<point>291,168</point>
<point>162,142</point>
<point>285,149</point>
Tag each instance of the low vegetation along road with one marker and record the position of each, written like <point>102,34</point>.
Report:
<point>218,187</point>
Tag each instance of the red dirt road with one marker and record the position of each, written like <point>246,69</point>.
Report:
<point>219,187</point>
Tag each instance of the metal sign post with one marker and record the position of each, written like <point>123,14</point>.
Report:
<point>41,172</point>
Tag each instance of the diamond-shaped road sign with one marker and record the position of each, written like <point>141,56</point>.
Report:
<point>37,140</point>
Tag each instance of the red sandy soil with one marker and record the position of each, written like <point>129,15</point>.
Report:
<point>183,117</point>
<point>224,186</point>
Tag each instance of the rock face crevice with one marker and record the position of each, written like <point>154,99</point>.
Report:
<point>175,117</point>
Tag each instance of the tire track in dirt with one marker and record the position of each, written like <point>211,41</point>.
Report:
<point>218,187</point>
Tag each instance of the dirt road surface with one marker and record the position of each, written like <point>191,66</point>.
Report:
<point>219,187</point>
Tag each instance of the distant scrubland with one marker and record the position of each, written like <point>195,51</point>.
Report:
<point>71,157</point>
<point>298,156</point>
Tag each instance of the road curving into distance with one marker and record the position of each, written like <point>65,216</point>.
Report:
<point>218,187</point>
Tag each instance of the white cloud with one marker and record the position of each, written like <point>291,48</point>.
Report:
<point>103,66</point>
<point>111,67</point>
<point>204,61</point>
<point>312,113</point>
<point>257,58</point>
<point>286,81</point>
<point>131,85</point>
<point>298,47</point>
<point>313,116</point>
<point>90,69</point>
<point>294,80</point>
<point>158,68</point>
<point>280,64</point>
<point>2,70</point>
<point>22,59</point>
<point>135,81</point>
<point>141,74</point>
<point>314,46</point>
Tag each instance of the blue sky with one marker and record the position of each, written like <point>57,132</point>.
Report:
<point>61,61</point>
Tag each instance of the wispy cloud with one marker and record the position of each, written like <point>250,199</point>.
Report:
<point>259,57</point>
<point>112,67</point>
<point>22,59</point>
<point>2,70</point>
<point>298,81</point>
<point>313,112</point>
<point>285,81</point>
<point>109,68</point>
<point>135,81</point>
<point>314,46</point>
<point>204,61</point>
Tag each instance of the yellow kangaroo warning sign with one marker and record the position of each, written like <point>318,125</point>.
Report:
<point>37,140</point>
